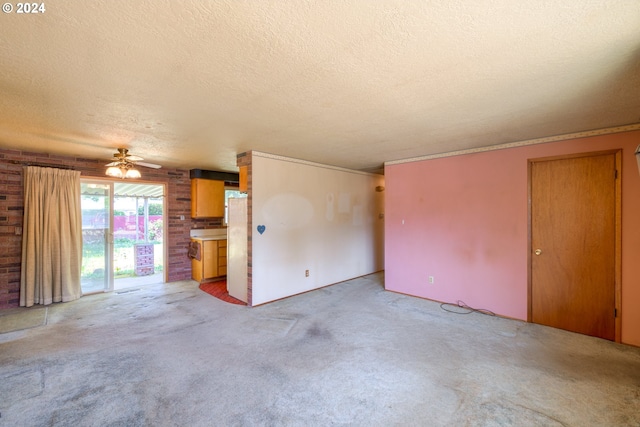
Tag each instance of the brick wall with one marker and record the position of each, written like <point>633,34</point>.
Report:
<point>245,159</point>
<point>178,202</point>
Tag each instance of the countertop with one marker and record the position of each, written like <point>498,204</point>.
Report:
<point>203,238</point>
<point>210,234</point>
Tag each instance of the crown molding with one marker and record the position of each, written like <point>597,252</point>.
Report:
<point>308,163</point>
<point>563,137</point>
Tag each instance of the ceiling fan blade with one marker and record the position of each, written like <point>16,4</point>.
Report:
<point>133,158</point>
<point>113,164</point>
<point>148,165</point>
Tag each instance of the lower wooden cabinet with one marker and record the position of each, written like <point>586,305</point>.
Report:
<point>212,262</point>
<point>222,257</point>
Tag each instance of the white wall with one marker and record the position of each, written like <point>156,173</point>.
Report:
<point>317,218</point>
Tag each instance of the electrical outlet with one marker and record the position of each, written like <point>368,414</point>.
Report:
<point>306,273</point>
<point>431,280</point>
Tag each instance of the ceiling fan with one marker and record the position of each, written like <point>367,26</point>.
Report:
<point>124,164</point>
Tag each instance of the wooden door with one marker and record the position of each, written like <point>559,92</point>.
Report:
<point>574,212</point>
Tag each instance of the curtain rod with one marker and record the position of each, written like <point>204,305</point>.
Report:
<point>42,165</point>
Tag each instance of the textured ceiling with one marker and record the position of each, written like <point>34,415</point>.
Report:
<point>190,84</point>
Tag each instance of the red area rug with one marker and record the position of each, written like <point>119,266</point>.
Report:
<point>219,290</point>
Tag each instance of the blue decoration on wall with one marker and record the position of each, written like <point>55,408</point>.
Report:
<point>261,229</point>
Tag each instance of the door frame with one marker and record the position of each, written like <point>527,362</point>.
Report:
<point>618,231</point>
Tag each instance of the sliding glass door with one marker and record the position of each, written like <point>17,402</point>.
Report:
<point>97,236</point>
<point>122,234</point>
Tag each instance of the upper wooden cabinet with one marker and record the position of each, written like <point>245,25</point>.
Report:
<point>207,198</point>
<point>244,184</point>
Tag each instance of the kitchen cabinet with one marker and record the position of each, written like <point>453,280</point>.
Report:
<point>212,262</point>
<point>244,179</point>
<point>207,198</point>
<point>222,257</point>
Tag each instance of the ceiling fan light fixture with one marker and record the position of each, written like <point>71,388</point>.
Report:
<point>132,173</point>
<point>123,165</point>
<point>114,172</point>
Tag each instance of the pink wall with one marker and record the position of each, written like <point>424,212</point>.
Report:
<point>465,223</point>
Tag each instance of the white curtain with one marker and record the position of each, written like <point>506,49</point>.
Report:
<point>52,236</point>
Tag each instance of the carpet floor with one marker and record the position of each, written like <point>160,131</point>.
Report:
<point>351,354</point>
<point>17,319</point>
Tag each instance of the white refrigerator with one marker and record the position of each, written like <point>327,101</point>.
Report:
<point>237,248</point>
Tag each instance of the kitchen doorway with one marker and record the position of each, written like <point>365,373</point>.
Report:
<point>123,235</point>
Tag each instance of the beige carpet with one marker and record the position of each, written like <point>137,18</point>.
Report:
<point>18,319</point>
<point>351,354</point>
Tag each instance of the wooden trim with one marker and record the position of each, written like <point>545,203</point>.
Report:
<point>529,231</point>
<point>165,220</point>
<point>618,248</point>
<point>573,156</point>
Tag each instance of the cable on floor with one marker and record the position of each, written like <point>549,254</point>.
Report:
<point>461,305</point>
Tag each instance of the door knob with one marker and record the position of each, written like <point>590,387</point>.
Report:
<point>537,251</point>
